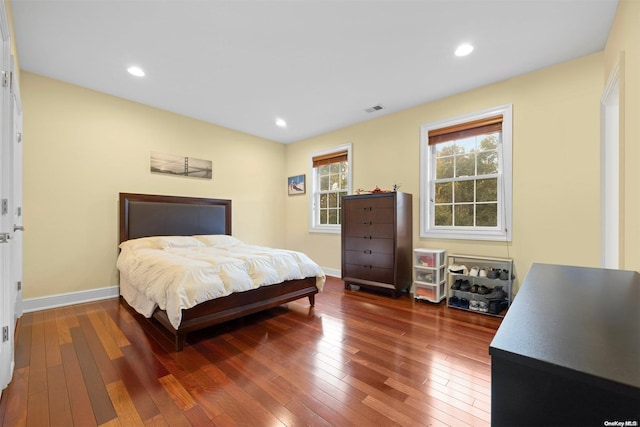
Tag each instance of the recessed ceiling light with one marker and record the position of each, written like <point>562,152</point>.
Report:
<point>136,71</point>
<point>464,49</point>
<point>281,123</point>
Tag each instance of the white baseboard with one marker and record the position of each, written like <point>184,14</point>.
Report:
<point>61,300</point>
<point>332,272</point>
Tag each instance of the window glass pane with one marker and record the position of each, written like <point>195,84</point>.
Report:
<point>335,167</point>
<point>323,201</point>
<point>489,141</point>
<point>333,200</point>
<point>324,183</point>
<point>487,214</point>
<point>443,215</point>
<point>445,149</point>
<point>487,162</point>
<point>463,215</point>
<point>487,190</point>
<point>444,168</point>
<point>343,181</point>
<point>323,216</point>
<point>463,191</point>
<point>333,216</point>
<point>444,192</point>
<point>335,182</point>
<point>466,165</point>
<point>467,145</point>
<point>323,170</point>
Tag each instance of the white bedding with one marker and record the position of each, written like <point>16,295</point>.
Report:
<point>179,272</point>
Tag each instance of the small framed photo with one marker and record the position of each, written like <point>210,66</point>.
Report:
<point>296,184</point>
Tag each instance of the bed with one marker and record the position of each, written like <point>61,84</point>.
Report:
<point>157,230</point>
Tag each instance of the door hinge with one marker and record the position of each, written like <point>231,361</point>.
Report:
<point>5,333</point>
<point>5,206</point>
<point>19,210</point>
<point>19,285</point>
<point>5,237</point>
<point>6,78</point>
<point>19,137</point>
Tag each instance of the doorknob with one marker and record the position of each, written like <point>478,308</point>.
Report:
<point>18,228</point>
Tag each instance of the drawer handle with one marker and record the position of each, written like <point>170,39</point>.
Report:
<point>368,223</point>
<point>368,237</point>
<point>369,208</point>
<point>368,251</point>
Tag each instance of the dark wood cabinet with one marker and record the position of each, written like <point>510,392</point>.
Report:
<point>568,351</point>
<point>377,241</point>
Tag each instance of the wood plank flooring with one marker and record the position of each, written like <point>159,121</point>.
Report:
<point>355,359</point>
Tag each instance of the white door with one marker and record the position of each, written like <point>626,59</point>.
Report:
<point>17,252</point>
<point>7,260</point>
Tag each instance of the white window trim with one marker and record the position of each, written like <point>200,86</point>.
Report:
<point>505,218</point>
<point>314,227</point>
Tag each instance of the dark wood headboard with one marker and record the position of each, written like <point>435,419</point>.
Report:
<point>144,215</point>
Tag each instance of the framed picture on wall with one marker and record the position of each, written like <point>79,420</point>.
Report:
<point>296,184</point>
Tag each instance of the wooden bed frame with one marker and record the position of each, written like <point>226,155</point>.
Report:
<point>143,215</point>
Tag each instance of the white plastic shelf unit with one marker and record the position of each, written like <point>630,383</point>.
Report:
<point>429,274</point>
<point>484,286</point>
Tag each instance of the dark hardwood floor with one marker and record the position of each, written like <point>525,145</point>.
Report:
<point>355,359</point>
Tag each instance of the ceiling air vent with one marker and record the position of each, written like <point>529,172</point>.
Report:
<point>374,108</point>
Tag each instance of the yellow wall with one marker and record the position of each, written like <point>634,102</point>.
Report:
<point>623,48</point>
<point>555,166</point>
<point>81,148</point>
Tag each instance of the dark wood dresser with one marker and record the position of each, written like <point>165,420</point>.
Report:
<point>568,351</point>
<point>377,241</point>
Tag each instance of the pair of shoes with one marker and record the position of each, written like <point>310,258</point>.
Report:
<point>497,306</point>
<point>497,293</point>
<point>504,275</point>
<point>454,301</point>
<point>464,303</point>
<point>456,284</point>
<point>465,286</point>
<point>493,273</point>
<point>483,290</point>
<point>458,269</point>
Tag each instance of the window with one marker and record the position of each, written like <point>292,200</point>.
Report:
<point>465,169</point>
<point>331,179</point>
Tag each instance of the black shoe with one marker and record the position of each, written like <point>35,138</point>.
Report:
<point>497,306</point>
<point>465,286</point>
<point>483,290</point>
<point>454,301</point>
<point>496,294</point>
<point>456,284</point>
<point>464,303</point>
<point>474,289</point>
<point>493,274</point>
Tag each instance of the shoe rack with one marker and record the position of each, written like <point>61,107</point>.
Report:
<point>429,275</point>
<point>480,284</point>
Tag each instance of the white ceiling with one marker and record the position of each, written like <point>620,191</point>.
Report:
<point>316,64</point>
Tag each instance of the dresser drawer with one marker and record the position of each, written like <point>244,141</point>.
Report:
<point>370,273</point>
<point>370,214</point>
<point>369,258</point>
<point>369,231</point>
<point>384,246</point>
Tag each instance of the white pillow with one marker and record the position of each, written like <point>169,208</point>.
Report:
<point>140,243</point>
<point>218,240</point>
<point>165,242</point>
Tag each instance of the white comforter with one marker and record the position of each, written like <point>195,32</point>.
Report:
<point>179,272</point>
